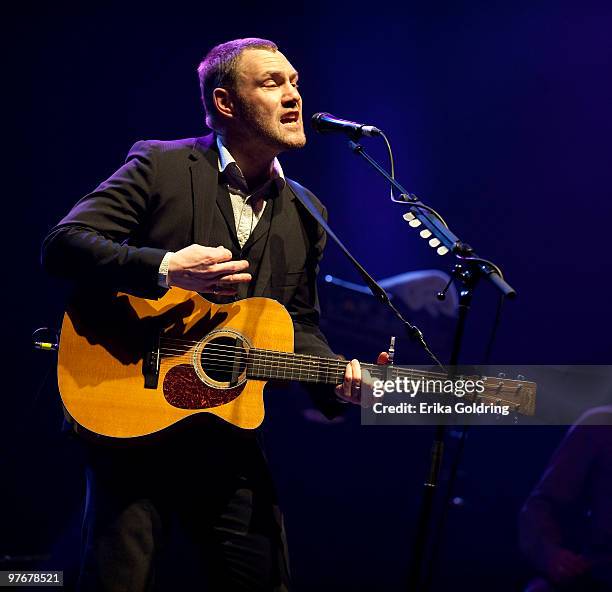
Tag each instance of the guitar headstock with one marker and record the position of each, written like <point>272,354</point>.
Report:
<point>519,394</point>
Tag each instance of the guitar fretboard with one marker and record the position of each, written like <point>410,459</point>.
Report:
<point>267,365</point>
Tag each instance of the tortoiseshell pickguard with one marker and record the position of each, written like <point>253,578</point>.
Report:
<point>183,389</point>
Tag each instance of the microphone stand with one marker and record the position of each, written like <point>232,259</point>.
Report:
<point>468,270</point>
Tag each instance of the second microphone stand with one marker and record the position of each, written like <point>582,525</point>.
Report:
<point>468,270</point>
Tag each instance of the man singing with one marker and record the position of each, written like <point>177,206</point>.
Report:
<point>215,215</point>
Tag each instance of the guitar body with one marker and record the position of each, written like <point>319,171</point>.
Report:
<point>130,367</point>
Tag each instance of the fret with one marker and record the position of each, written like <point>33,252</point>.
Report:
<point>265,364</point>
<point>283,367</point>
<point>307,369</point>
<point>313,370</point>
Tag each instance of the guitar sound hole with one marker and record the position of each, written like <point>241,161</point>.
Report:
<point>224,359</point>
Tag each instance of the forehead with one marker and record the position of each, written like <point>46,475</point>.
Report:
<point>255,62</point>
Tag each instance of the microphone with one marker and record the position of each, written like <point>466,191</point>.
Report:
<point>325,123</point>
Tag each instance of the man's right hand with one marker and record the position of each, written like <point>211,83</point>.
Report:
<point>209,270</point>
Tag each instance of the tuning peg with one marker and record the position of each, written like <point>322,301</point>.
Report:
<point>442,250</point>
<point>425,233</point>
<point>520,377</point>
<point>501,375</point>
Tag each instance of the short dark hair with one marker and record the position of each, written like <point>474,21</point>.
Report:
<point>218,69</point>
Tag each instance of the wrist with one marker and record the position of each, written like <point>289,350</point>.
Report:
<point>163,278</point>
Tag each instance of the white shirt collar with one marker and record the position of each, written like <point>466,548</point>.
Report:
<point>235,174</point>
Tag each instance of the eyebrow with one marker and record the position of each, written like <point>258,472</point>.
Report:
<point>293,74</point>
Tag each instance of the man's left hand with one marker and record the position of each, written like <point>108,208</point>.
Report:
<point>357,385</point>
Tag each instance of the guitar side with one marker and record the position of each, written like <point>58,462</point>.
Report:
<point>102,361</point>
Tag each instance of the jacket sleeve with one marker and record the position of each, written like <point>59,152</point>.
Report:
<point>308,337</point>
<point>304,306</point>
<point>97,241</point>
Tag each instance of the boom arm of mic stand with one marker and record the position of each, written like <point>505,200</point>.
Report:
<point>448,242</point>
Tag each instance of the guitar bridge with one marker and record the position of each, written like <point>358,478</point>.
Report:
<point>150,366</point>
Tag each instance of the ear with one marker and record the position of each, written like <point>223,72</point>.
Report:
<point>224,102</point>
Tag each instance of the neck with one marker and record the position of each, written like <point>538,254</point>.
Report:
<point>268,364</point>
<point>255,161</point>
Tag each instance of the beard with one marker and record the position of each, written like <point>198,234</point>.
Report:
<point>258,125</point>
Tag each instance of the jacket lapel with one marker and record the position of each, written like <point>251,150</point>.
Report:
<point>261,230</point>
<point>204,173</point>
<point>224,203</point>
<point>280,221</point>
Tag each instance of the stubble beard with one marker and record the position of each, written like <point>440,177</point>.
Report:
<point>264,132</point>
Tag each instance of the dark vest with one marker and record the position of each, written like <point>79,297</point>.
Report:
<point>223,232</point>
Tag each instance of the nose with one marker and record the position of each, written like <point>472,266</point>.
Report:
<point>291,96</point>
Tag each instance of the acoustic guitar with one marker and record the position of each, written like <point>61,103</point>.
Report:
<point>130,367</point>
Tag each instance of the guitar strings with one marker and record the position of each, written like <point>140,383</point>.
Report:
<point>480,396</point>
<point>279,361</point>
<point>290,360</point>
<point>300,357</point>
<point>337,366</point>
<point>290,356</point>
<point>333,375</point>
<point>339,369</point>
<point>266,352</point>
<point>306,360</point>
<point>267,357</point>
<point>228,363</point>
<point>261,356</point>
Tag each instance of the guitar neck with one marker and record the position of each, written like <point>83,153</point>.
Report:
<point>263,364</point>
<point>267,365</point>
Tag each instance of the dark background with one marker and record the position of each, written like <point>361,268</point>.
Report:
<point>499,116</point>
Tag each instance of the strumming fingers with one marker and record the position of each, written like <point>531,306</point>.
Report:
<point>223,269</point>
<point>235,278</point>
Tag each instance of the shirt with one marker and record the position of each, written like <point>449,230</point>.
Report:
<point>247,206</point>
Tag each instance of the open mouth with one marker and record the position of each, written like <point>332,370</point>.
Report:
<point>289,118</point>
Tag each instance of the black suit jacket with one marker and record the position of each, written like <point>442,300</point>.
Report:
<point>167,196</point>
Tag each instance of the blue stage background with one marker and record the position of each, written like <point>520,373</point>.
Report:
<point>500,117</point>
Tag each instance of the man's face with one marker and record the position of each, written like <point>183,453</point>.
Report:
<point>268,104</point>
